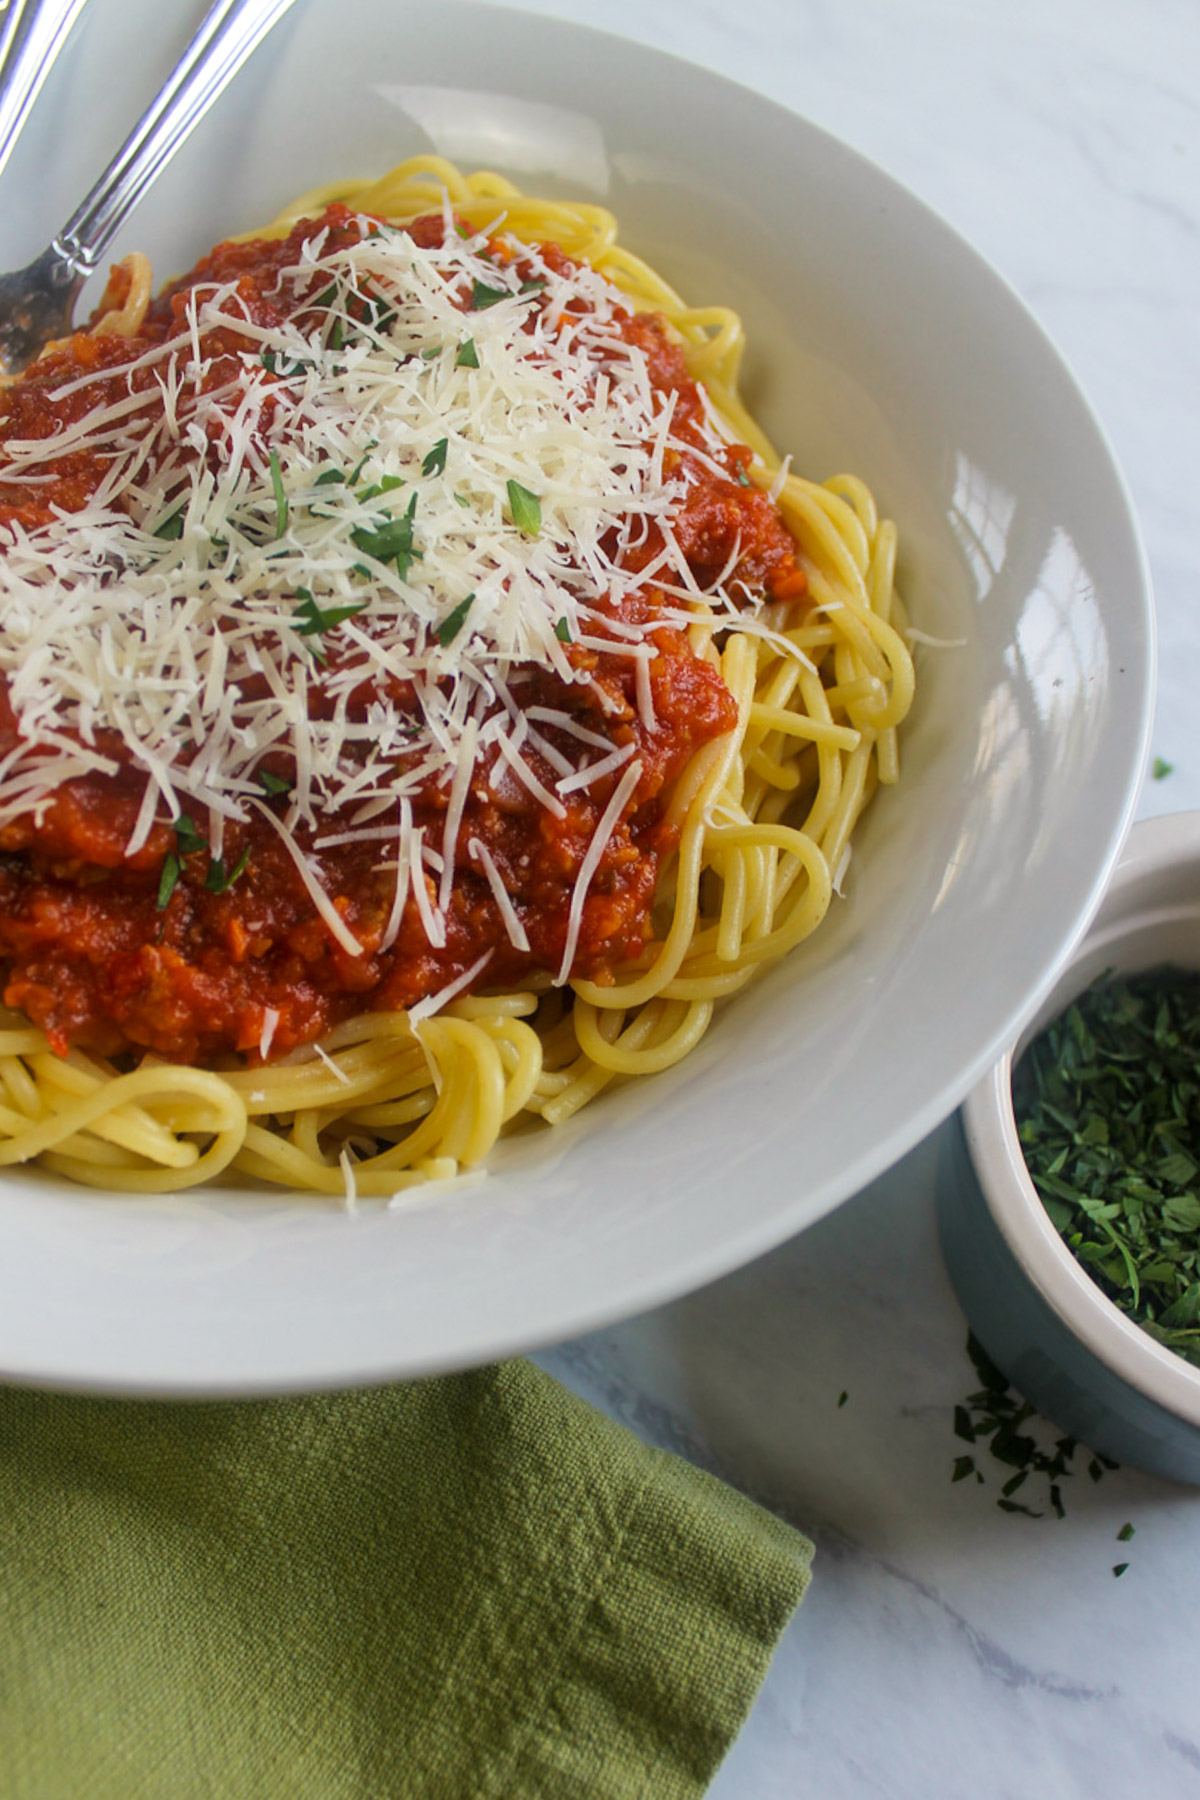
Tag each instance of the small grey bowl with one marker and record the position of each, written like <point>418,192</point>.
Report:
<point>1041,1319</point>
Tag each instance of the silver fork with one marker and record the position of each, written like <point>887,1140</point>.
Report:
<point>32,32</point>
<point>37,303</point>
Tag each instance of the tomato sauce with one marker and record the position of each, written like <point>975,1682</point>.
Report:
<point>94,956</point>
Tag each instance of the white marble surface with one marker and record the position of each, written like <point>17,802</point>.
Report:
<point>947,1648</point>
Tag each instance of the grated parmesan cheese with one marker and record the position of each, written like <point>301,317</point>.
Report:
<point>330,508</point>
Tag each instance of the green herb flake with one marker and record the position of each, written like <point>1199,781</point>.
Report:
<point>311,620</point>
<point>453,622</point>
<point>533,285</point>
<point>356,471</point>
<point>171,528</point>
<point>188,836</point>
<point>217,881</point>
<point>273,784</point>
<point>743,478</point>
<point>1119,1569</point>
<point>1027,1453</point>
<point>391,541</point>
<point>331,478</point>
<point>562,631</point>
<point>435,461</point>
<point>1125,1533</point>
<point>280,493</point>
<point>525,508</point>
<point>278,362</point>
<point>482,295</point>
<point>171,871</point>
<point>468,356</point>
<point>1162,768</point>
<point>843,1397</point>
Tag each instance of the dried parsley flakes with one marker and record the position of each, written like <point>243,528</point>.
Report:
<point>1107,1101</point>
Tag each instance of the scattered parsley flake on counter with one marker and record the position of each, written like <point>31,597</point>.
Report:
<point>1120,1568</point>
<point>1015,1434</point>
<point>1107,1101</point>
<point>1161,768</point>
<point>454,621</point>
<point>1125,1533</point>
<point>468,356</point>
<point>526,509</point>
<point>843,1397</point>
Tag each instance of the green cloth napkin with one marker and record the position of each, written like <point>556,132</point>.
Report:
<point>472,1588</point>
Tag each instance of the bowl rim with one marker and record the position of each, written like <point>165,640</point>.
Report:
<point>1154,847</point>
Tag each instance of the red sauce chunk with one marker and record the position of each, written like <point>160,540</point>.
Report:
<point>121,927</point>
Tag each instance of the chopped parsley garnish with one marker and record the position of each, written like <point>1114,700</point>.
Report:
<point>188,836</point>
<point>356,471</point>
<point>217,881</point>
<point>468,356</point>
<point>171,527</point>
<point>454,621</point>
<point>482,295</point>
<point>562,631</point>
<point>743,478</point>
<point>532,286</point>
<point>171,871</point>
<point>277,362</point>
<point>387,484</point>
<point>1107,1101</point>
<point>330,478</point>
<point>526,509</point>
<point>435,461</point>
<point>1119,1568</point>
<point>1162,769</point>
<point>311,620</point>
<point>281,499</point>
<point>270,783</point>
<point>390,541</point>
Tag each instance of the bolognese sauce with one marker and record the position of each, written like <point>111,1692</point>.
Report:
<point>127,924</point>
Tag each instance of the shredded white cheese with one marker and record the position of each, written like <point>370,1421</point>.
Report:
<point>337,507</point>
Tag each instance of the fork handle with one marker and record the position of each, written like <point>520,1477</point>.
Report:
<point>32,33</point>
<point>229,32</point>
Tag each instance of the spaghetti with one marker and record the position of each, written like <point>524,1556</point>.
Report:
<point>426,695</point>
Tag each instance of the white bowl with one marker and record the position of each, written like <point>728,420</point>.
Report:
<point>1041,1318</point>
<point>880,343</point>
